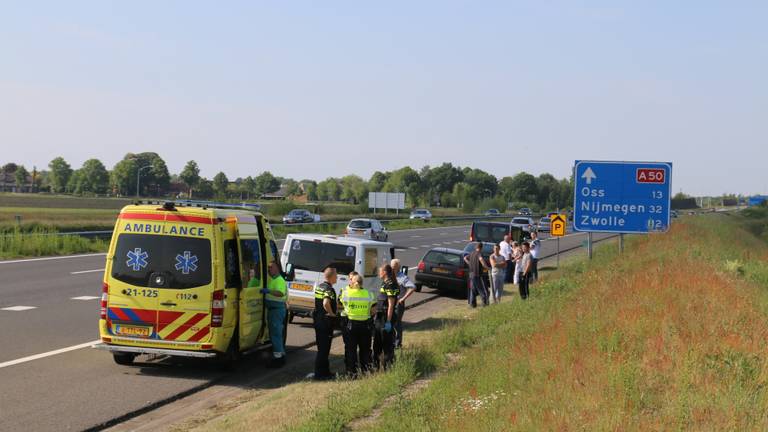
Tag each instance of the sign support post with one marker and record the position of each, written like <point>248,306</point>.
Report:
<point>589,245</point>
<point>621,243</point>
<point>558,253</point>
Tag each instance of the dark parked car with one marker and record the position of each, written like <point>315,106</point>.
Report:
<point>444,269</point>
<point>493,232</point>
<point>298,216</point>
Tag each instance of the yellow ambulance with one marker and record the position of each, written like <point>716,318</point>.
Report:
<point>185,280</point>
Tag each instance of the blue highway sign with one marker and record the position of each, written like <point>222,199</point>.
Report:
<point>622,197</point>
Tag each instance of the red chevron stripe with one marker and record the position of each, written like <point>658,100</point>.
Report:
<point>199,335</point>
<point>120,314</point>
<point>184,327</point>
<point>165,318</point>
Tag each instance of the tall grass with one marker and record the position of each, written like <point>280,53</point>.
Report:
<point>666,337</point>
<point>42,242</point>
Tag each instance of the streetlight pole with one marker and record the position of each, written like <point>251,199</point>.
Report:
<point>138,178</point>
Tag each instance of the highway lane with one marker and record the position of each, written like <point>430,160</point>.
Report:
<point>82,388</point>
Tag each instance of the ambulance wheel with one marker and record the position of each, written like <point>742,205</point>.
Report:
<point>123,359</point>
<point>229,360</point>
<point>290,317</point>
<point>418,287</point>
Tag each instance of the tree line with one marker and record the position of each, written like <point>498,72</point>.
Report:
<point>445,185</point>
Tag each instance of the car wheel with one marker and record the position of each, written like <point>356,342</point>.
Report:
<point>123,359</point>
<point>418,287</point>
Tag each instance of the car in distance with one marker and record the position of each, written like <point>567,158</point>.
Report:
<point>422,214</point>
<point>525,223</point>
<point>525,211</point>
<point>545,224</point>
<point>299,216</point>
<point>366,228</point>
<point>492,212</point>
<point>443,269</point>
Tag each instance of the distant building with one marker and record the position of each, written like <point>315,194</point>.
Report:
<point>8,183</point>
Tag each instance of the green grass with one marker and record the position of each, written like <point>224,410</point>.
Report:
<point>42,242</point>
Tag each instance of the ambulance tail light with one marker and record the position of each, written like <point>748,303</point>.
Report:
<point>217,308</point>
<point>104,298</point>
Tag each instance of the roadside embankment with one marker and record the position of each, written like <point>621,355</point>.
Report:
<point>670,335</point>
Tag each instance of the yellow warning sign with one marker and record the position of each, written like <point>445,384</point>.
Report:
<point>558,225</point>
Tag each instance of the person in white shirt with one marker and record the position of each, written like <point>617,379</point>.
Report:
<point>535,250</point>
<point>505,249</point>
<point>517,253</point>
<point>524,273</point>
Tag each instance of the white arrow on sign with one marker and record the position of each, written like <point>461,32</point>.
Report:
<point>589,175</point>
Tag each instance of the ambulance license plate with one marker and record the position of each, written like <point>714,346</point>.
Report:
<point>301,287</point>
<point>136,331</point>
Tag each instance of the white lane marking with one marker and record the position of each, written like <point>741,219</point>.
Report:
<point>425,246</point>
<point>52,258</point>
<point>417,236</point>
<point>84,298</point>
<point>435,244</point>
<point>413,248</point>
<point>447,242</point>
<point>48,354</point>
<point>86,271</point>
<point>458,241</point>
<point>18,308</point>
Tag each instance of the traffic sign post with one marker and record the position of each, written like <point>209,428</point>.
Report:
<point>621,197</point>
<point>557,230</point>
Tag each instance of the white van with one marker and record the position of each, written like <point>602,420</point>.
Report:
<point>306,256</point>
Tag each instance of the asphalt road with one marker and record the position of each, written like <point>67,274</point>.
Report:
<point>51,305</point>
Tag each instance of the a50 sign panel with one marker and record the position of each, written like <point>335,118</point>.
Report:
<point>622,197</point>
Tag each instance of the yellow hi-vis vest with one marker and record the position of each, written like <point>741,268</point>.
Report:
<point>358,303</point>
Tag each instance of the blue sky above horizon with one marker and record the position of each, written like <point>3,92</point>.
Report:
<point>311,89</point>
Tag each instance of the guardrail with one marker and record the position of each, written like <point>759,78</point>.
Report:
<point>108,233</point>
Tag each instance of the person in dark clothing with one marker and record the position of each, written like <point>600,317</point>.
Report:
<point>383,337</point>
<point>524,271</point>
<point>476,286</point>
<point>323,317</point>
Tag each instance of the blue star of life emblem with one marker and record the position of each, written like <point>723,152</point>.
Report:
<point>186,262</point>
<point>137,259</point>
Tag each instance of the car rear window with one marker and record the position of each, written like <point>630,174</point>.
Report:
<point>524,221</point>
<point>487,248</point>
<point>360,224</point>
<point>183,262</point>
<point>317,256</point>
<point>436,257</point>
<point>488,232</point>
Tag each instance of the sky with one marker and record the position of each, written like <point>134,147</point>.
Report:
<point>320,89</point>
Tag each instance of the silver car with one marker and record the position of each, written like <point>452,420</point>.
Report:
<point>367,228</point>
<point>545,224</point>
<point>422,214</point>
<point>525,223</point>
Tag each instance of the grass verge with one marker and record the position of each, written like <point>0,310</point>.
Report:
<point>42,242</point>
<point>671,336</point>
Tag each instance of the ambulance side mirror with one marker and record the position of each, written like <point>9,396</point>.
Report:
<point>290,272</point>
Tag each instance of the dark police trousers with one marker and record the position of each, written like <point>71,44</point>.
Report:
<point>323,337</point>
<point>357,346</point>
<point>397,326</point>
<point>383,342</point>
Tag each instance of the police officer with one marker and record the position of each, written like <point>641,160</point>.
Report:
<point>276,294</point>
<point>343,319</point>
<point>383,338</point>
<point>323,316</point>
<point>407,288</point>
<point>360,305</point>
